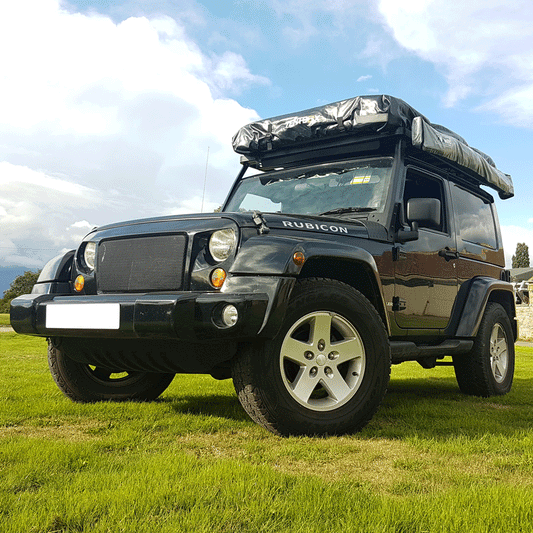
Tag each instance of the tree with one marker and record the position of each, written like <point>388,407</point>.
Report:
<point>22,284</point>
<point>521,257</point>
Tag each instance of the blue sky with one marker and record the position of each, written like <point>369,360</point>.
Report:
<point>109,109</point>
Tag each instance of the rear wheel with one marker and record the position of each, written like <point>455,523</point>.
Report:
<point>82,382</point>
<point>325,372</point>
<point>488,369</point>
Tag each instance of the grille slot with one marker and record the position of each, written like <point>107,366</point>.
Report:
<point>141,264</point>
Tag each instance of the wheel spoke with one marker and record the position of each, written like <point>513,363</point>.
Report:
<point>304,385</point>
<point>500,345</point>
<point>320,328</point>
<point>336,386</point>
<point>347,350</point>
<point>499,367</point>
<point>497,335</point>
<point>294,350</point>
<point>496,370</point>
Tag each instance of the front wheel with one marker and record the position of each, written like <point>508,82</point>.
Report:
<point>88,383</point>
<point>325,372</point>
<point>488,369</point>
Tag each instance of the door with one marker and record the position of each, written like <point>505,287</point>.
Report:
<point>425,273</point>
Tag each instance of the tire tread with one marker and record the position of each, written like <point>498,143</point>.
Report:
<point>74,382</point>
<point>473,371</point>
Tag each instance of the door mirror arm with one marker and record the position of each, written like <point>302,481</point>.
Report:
<point>407,235</point>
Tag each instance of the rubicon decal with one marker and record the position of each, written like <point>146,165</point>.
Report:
<point>310,225</point>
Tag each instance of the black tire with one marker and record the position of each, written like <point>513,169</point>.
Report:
<point>488,369</point>
<point>86,383</point>
<point>327,370</point>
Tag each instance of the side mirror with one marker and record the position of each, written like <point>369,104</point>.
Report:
<point>424,211</point>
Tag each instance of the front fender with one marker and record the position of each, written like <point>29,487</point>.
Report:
<point>273,255</point>
<point>55,276</point>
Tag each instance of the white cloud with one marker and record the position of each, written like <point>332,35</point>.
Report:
<point>484,47</point>
<point>515,106</point>
<point>364,78</point>
<point>35,183</point>
<point>33,211</point>
<point>231,73</point>
<point>81,224</point>
<point>103,121</point>
<point>197,204</point>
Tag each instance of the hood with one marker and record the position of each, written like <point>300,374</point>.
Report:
<point>263,222</point>
<point>177,219</point>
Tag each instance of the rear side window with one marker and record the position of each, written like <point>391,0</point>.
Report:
<point>474,219</point>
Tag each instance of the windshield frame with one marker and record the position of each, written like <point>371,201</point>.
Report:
<point>301,171</point>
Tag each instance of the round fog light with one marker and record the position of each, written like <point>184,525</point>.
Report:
<point>230,315</point>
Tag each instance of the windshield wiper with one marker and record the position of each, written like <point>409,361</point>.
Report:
<point>342,210</point>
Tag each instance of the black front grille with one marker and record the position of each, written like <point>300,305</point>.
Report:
<point>141,264</point>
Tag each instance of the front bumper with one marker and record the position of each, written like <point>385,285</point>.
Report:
<point>189,316</point>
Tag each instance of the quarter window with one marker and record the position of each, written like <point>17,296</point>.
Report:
<point>474,218</point>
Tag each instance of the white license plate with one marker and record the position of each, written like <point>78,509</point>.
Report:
<point>83,316</point>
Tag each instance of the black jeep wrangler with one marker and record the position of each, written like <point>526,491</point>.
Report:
<point>363,238</point>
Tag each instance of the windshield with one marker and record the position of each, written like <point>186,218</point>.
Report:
<point>335,189</point>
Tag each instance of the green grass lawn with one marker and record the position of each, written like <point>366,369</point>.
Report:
<point>4,319</point>
<point>431,460</point>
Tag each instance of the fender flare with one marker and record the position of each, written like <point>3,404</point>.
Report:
<point>55,276</point>
<point>472,300</point>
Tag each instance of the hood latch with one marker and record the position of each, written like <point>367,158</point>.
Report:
<point>260,222</point>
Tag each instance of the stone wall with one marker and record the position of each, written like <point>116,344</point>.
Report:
<point>524,314</point>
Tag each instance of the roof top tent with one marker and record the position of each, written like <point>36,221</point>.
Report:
<point>362,125</point>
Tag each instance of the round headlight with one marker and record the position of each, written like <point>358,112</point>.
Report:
<point>89,254</point>
<point>222,243</point>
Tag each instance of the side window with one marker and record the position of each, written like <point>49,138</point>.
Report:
<point>474,218</point>
<point>419,185</point>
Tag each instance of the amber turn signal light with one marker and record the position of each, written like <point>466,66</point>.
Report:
<point>218,277</point>
<point>298,258</point>
<point>79,283</point>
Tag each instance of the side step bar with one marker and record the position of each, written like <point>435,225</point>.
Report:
<point>428,354</point>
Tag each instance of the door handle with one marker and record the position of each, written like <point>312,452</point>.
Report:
<point>448,254</point>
